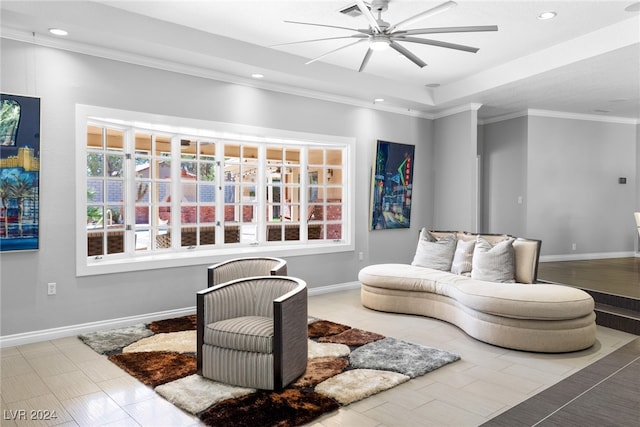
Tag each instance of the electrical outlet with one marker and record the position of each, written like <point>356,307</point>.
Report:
<point>51,288</point>
<point>361,256</point>
<point>573,246</point>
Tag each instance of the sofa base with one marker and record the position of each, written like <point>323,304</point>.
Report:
<point>546,336</point>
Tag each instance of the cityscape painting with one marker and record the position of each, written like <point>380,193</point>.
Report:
<point>19,172</point>
<point>391,186</point>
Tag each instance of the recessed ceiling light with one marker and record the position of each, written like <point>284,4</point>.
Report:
<point>257,75</point>
<point>547,15</point>
<point>58,31</point>
<point>378,100</point>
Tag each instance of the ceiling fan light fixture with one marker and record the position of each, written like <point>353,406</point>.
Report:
<point>380,35</point>
<point>379,43</point>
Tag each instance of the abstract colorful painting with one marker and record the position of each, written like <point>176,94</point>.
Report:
<point>19,172</point>
<point>392,186</point>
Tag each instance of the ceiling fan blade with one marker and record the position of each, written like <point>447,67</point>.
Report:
<point>358,36</point>
<point>437,43</point>
<point>334,51</point>
<point>359,30</point>
<point>471,29</point>
<point>365,61</point>
<point>410,56</point>
<point>426,14</point>
<point>367,14</point>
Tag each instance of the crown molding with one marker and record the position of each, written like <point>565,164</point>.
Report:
<point>578,116</point>
<point>560,115</point>
<point>212,74</point>
<point>503,117</point>
<point>473,106</point>
<point>202,72</point>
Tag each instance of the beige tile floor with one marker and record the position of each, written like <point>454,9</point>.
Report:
<point>85,389</point>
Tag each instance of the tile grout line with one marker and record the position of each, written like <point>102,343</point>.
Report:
<point>586,391</point>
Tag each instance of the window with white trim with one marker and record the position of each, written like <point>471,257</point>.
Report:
<point>156,192</point>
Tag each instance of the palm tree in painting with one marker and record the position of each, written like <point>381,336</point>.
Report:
<point>5,195</point>
<point>21,189</point>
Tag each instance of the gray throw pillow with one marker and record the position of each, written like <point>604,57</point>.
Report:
<point>494,263</point>
<point>435,253</point>
<point>462,259</point>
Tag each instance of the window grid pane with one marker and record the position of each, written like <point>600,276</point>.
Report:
<point>105,191</point>
<point>325,193</point>
<point>197,203</point>
<point>251,204</point>
<point>153,192</point>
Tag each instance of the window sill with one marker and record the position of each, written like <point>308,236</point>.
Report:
<point>203,256</point>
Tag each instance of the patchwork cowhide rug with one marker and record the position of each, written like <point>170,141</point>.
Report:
<point>345,365</point>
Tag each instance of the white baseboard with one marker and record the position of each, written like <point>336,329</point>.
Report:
<point>83,328</point>
<point>580,257</point>
<point>333,288</point>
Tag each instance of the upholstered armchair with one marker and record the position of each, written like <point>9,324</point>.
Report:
<point>246,267</point>
<point>637,216</point>
<point>252,332</point>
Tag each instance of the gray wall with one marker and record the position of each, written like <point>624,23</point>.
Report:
<point>637,209</point>
<point>567,172</point>
<point>504,177</point>
<point>62,79</point>
<point>455,172</point>
<point>567,175</point>
<point>573,191</point>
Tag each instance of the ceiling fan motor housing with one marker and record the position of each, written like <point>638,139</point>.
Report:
<point>379,5</point>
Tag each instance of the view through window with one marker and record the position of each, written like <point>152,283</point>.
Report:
<point>152,192</point>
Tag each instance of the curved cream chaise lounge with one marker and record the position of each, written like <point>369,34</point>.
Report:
<point>530,316</point>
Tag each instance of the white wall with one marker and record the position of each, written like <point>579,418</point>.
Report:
<point>63,79</point>
<point>572,185</point>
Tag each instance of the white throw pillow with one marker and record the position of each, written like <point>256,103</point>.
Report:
<point>494,263</point>
<point>435,253</point>
<point>462,259</point>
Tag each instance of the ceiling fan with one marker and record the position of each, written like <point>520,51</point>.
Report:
<point>381,35</point>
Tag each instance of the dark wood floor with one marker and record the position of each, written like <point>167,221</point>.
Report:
<point>618,276</point>
<point>606,393</point>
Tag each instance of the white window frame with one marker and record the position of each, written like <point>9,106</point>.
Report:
<point>86,114</point>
